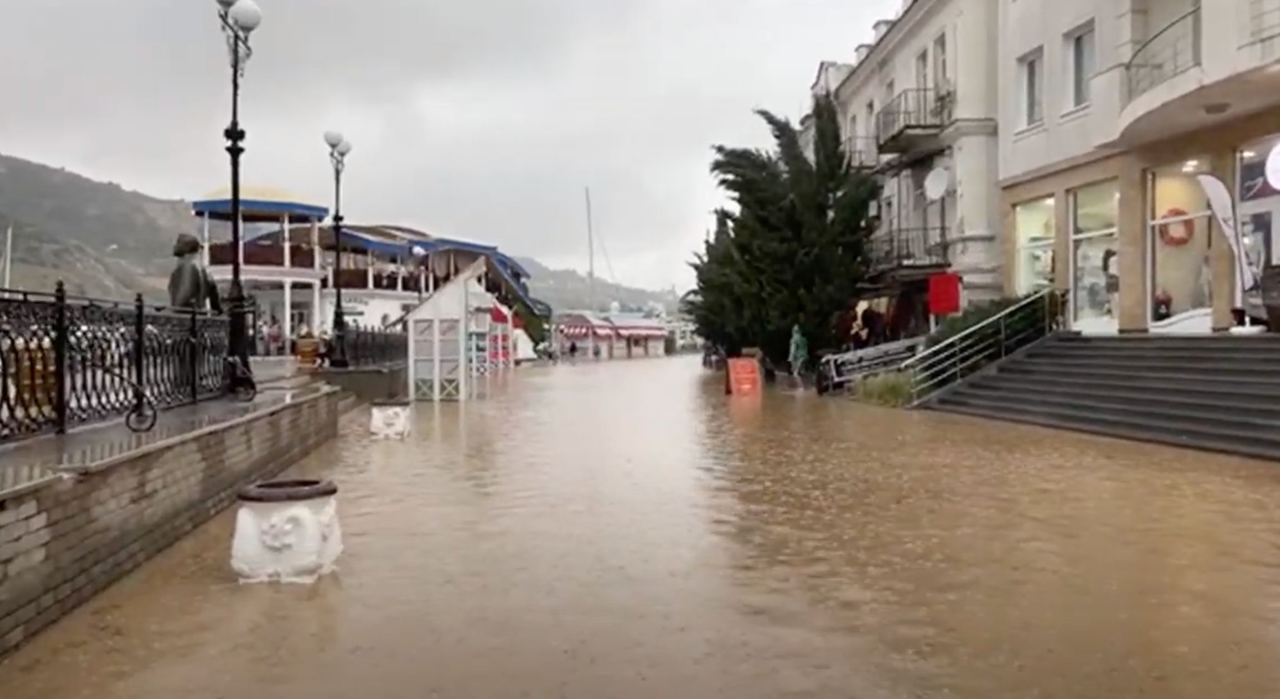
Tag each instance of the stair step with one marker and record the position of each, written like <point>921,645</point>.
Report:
<point>1189,413</point>
<point>1217,367</point>
<point>1158,355</point>
<point>1190,374</point>
<point>1207,444</point>
<point>1210,394</point>
<point>1135,426</point>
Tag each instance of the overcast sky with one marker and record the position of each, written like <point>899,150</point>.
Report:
<point>478,119</point>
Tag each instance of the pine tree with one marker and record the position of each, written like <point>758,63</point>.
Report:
<point>793,251</point>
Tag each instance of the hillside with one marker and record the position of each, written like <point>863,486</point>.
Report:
<point>102,239</point>
<point>106,241</point>
<point>567,289</point>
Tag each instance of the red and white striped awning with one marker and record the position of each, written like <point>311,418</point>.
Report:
<point>641,332</point>
<point>584,330</point>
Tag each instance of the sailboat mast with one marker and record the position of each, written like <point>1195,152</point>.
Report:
<point>591,255</point>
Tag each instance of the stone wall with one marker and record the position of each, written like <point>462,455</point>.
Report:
<point>65,541</point>
<point>370,383</point>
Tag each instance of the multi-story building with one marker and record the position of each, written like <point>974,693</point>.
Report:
<point>919,108</point>
<point>1109,110</point>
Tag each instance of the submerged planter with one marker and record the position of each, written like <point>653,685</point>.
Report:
<point>390,419</point>
<point>286,531</point>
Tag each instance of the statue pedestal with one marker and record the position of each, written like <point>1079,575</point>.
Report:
<point>286,531</point>
<point>390,419</point>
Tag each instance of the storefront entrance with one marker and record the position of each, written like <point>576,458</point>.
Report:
<point>1179,250</point>
<point>1095,278</point>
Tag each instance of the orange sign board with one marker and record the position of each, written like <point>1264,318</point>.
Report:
<point>744,377</point>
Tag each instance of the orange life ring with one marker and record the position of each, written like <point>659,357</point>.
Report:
<point>1178,233</point>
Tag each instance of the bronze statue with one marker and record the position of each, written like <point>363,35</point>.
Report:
<point>190,285</point>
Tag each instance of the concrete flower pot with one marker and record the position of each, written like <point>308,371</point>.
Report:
<point>389,419</point>
<point>286,531</point>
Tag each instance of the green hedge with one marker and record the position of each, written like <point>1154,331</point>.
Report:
<point>890,389</point>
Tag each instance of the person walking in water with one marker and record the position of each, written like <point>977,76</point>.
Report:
<point>799,353</point>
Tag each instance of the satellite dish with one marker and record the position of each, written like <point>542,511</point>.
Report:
<point>936,183</point>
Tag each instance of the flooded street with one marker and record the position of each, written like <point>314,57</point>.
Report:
<point>624,530</point>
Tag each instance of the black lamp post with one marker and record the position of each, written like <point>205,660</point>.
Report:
<point>339,147</point>
<point>239,19</point>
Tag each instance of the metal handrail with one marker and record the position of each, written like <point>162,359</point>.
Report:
<point>991,340</point>
<point>1139,59</point>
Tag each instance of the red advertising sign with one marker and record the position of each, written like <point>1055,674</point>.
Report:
<point>744,376</point>
<point>944,294</point>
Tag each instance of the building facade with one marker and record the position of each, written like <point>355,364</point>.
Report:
<point>1110,112</point>
<point>919,110</point>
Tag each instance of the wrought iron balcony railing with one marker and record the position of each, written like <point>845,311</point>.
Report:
<point>1173,50</point>
<point>920,110</point>
<point>908,247</point>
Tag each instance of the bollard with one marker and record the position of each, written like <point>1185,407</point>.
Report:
<point>286,531</point>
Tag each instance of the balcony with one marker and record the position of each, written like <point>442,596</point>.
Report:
<point>300,256</point>
<point>1173,50</point>
<point>861,153</point>
<point>906,249</point>
<point>912,120</point>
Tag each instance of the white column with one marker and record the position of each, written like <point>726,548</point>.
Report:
<point>368,269</point>
<point>431,275</point>
<point>288,316</point>
<point>286,240</point>
<point>399,275</point>
<point>422,280</point>
<point>317,314</point>
<point>315,244</point>
<point>204,250</point>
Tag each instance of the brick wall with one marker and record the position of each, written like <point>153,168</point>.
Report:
<point>62,543</point>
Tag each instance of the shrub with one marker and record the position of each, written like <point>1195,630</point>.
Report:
<point>892,389</point>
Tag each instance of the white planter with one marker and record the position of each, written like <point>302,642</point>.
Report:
<point>286,531</point>
<point>390,420</point>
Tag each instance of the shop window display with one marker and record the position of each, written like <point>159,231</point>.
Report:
<point>1258,197</point>
<point>1095,277</point>
<point>1034,222</point>
<point>1180,243</point>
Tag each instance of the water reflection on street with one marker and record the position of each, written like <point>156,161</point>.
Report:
<point>624,530</point>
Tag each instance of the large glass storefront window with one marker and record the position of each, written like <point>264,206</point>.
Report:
<point>1179,271</point>
<point>1258,199</point>
<point>1095,270</point>
<point>1034,228</point>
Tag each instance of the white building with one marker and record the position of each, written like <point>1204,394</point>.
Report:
<point>1109,110</point>
<point>919,105</point>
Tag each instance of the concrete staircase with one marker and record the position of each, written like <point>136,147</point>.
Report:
<point>1219,393</point>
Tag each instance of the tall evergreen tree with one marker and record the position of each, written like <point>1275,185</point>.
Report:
<point>793,251</point>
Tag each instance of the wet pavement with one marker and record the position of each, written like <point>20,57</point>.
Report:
<point>624,530</point>
<point>28,464</point>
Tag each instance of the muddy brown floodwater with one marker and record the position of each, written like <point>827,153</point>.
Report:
<point>624,530</point>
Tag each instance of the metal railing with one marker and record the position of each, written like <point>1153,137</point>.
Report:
<point>1171,51</point>
<point>376,347</point>
<point>914,108</point>
<point>908,247</point>
<point>846,367</point>
<point>70,360</point>
<point>1263,20</point>
<point>967,352</point>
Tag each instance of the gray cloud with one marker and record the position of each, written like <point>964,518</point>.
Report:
<point>481,120</point>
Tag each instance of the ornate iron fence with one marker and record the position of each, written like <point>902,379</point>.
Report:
<point>375,347</point>
<point>68,360</point>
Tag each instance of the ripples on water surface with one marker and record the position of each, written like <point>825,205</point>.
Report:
<point>624,530</point>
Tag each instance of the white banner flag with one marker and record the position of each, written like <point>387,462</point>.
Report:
<point>1224,210</point>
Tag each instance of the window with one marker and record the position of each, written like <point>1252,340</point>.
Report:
<point>1080,53</point>
<point>1030,80</point>
<point>1034,232</point>
<point>940,79</point>
<point>922,69</point>
<point>1095,262</point>
<point>871,119</point>
<point>1180,276</point>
